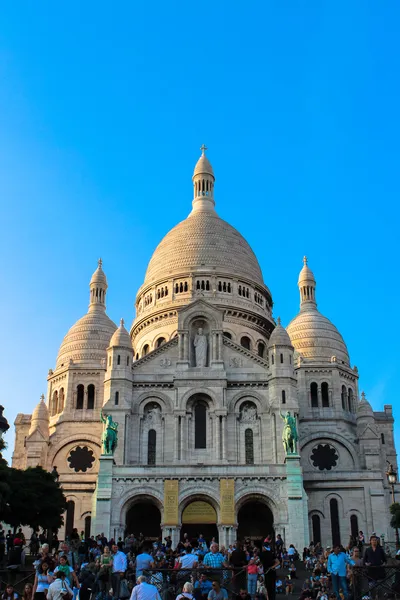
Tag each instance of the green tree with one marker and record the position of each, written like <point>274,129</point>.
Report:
<point>34,499</point>
<point>395,512</point>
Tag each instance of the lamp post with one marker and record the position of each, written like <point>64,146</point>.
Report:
<point>392,479</point>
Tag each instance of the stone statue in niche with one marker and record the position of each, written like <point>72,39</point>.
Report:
<point>152,414</point>
<point>248,412</point>
<point>200,348</point>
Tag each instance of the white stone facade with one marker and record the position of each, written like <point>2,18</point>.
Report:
<point>193,427</point>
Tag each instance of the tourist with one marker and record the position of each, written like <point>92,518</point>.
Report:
<point>269,563</point>
<point>261,589</point>
<point>214,559</point>
<point>144,590</point>
<point>9,541</point>
<point>374,559</point>
<point>28,592</point>
<point>244,595</point>
<point>105,563</point>
<point>361,541</point>
<point>217,592</point>
<point>252,576</point>
<point>9,593</point>
<point>202,587</point>
<point>144,561</point>
<point>337,567</point>
<point>43,579</point>
<point>70,575</point>
<point>60,589</point>
<point>119,566</point>
<point>187,592</point>
<point>238,560</point>
<point>188,560</point>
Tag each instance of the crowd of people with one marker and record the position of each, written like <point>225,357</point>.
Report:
<point>99,569</point>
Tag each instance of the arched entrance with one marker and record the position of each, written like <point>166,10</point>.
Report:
<point>144,517</point>
<point>199,517</point>
<point>255,520</point>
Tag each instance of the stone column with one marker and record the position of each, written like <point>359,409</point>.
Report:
<point>224,437</point>
<point>184,436</point>
<point>102,516</point>
<point>296,497</point>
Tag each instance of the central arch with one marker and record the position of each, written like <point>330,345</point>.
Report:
<point>199,517</point>
<point>143,517</point>
<point>255,519</point>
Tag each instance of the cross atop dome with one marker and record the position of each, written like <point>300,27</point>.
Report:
<point>100,263</point>
<point>305,260</point>
<point>203,149</point>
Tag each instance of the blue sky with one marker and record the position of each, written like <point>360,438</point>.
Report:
<point>103,108</point>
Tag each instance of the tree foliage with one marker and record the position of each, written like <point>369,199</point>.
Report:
<point>30,497</point>
<point>395,512</point>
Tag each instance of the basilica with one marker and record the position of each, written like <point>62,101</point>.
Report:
<point>199,393</point>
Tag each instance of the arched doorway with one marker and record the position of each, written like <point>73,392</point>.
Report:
<point>255,520</point>
<point>199,517</point>
<point>144,517</point>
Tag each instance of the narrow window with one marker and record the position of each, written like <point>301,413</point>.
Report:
<point>116,398</point>
<point>314,395</point>
<point>160,342</point>
<point>229,288</point>
<point>245,342</point>
<point>261,349</point>
<point>343,397</point>
<point>181,287</point>
<point>60,406</point>
<point>200,425</point>
<point>127,361</point>
<point>240,290</point>
<point>281,358</point>
<point>325,395</point>
<point>137,355</point>
<point>227,335</point>
<point>382,438</point>
<point>316,529</point>
<point>55,404</point>
<point>198,285</point>
<point>207,285</point>
<point>80,390</point>
<point>88,524</point>
<point>203,287</point>
<point>90,397</point>
<point>118,359</point>
<point>354,526</point>
<point>249,447</point>
<point>283,397</point>
<point>350,400</point>
<point>145,349</point>
<point>151,447</point>
<point>272,359</point>
<point>176,288</point>
<point>335,528</point>
<point>185,287</point>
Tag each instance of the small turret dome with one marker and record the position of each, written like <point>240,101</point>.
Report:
<point>203,165</point>
<point>40,418</point>
<point>121,337</point>
<point>99,276</point>
<point>364,409</point>
<point>279,336</point>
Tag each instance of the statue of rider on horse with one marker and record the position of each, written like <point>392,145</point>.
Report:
<point>110,433</point>
<point>289,433</point>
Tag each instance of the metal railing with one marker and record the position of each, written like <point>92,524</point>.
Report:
<point>375,582</point>
<point>17,577</point>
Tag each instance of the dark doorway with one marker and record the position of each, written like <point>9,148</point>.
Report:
<point>316,529</point>
<point>144,517</point>
<point>88,523</point>
<point>255,521</point>
<point>209,531</point>
<point>335,527</point>
<point>69,519</point>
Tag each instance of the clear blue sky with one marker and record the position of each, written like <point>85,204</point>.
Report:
<point>103,107</point>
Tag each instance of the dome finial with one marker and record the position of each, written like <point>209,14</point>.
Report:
<point>305,260</point>
<point>279,320</point>
<point>122,322</point>
<point>203,149</point>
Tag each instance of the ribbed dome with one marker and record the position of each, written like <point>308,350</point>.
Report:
<point>99,276</point>
<point>121,337</point>
<point>40,412</point>
<point>279,336</point>
<point>203,166</point>
<point>87,340</point>
<point>203,242</point>
<point>316,338</point>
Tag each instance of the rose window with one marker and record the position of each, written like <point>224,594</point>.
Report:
<point>81,459</point>
<point>324,457</point>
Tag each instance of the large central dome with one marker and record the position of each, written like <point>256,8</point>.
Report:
<point>204,242</point>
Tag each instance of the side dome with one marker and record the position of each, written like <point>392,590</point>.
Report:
<point>279,336</point>
<point>121,337</point>
<point>203,242</point>
<point>87,341</point>
<point>313,336</point>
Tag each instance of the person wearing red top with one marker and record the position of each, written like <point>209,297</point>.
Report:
<point>252,575</point>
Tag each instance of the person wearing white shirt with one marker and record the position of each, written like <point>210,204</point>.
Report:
<point>188,560</point>
<point>59,589</point>
<point>144,590</point>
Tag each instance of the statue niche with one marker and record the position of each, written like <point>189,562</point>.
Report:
<point>200,343</point>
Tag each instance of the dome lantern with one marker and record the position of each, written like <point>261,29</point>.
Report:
<point>307,285</point>
<point>203,183</point>
<point>98,288</point>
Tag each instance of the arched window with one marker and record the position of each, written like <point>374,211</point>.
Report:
<point>90,396</point>
<point>137,356</point>
<point>245,342</point>
<point>116,398</point>
<point>227,335</point>
<point>54,407</point>
<point>80,391</point>
<point>60,406</point>
<point>354,526</point>
<point>344,397</point>
<point>118,359</point>
<point>200,425</point>
<point>316,529</point>
<point>145,350</point>
<point>88,524</point>
<point>335,528</point>
<point>151,447</point>
<point>69,518</point>
<point>382,438</point>
<point>325,394</point>
<point>314,395</point>
<point>350,399</point>
<point>261,349</point>
<point>283,397</point>
<point>249,446</point>
<point>160,342</point>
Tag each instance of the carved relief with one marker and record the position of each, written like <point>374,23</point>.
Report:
<point>248,412</point>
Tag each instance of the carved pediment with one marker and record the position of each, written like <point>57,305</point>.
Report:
<point>160,359</point>
<point>236,357</point>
